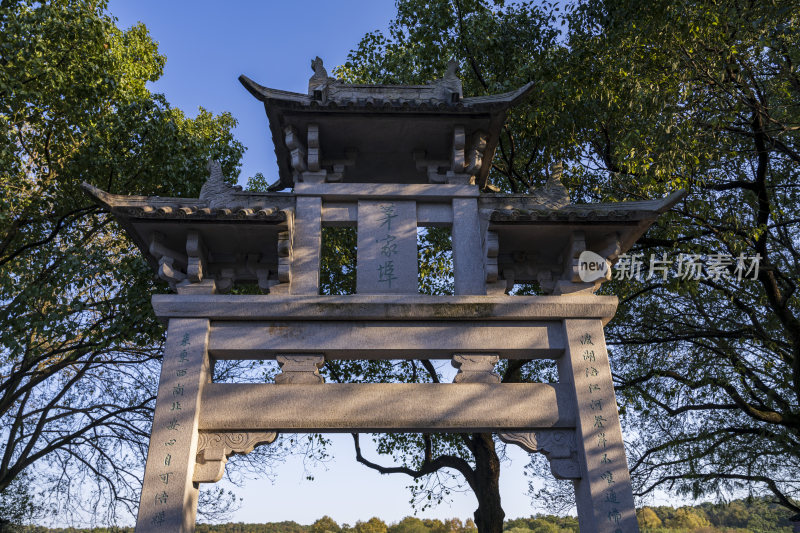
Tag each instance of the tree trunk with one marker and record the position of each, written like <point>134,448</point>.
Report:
<point>489,514</point>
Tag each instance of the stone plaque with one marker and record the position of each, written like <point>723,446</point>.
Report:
<point>387,247</point>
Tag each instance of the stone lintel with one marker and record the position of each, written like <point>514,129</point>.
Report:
<point>382,407</point>
<point>385,340</point>
<point>343,214</point>
<point>378,191</point>
<point>471,308</point>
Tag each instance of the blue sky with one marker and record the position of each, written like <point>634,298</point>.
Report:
<point>208,45</point>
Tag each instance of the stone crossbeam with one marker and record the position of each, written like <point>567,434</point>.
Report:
<point>385,307</point>
<point>382,407</point>
<point>384,339</point>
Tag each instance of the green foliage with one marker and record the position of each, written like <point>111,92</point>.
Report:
<point>699,96</point>
<point>373,525</point>
<point>435,250</point>
<point>732,517</point>
<point>76,321</point>
<point>638,99</point>
<point>338,261</point>
<point>326,524</point>
<point>409,524</point>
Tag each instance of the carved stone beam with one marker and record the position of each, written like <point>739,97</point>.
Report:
<point>213,450</point>
<point>475,368</point>
<point>296,149</point>
<point>559,446</point>
<point>475,154</point>
<point>299,369</point>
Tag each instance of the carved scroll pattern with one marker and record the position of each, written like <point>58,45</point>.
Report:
<point>213,450</point>
<point>559,446</point>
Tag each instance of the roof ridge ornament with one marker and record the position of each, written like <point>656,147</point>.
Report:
<point>552,194</point>
<point>320,79</point>
<point>451,83</point>
<point>215,192</point>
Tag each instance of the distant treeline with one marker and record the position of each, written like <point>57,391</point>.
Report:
<point>739,516</point>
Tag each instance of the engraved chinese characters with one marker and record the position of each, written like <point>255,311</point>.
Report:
<point>605,499</point>
<point>168,486</point>
<point>387,247</point>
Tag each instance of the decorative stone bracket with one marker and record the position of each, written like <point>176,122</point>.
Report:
<point>464,164</point>
<point>560,277</point>
<point>559,446</point>
<point>570,279</point>
<point>307,161</point>
<point>491,249</point>
<point>213,450</point>
<point>189,273</point>
<point>475,368</point>
<point>285,256</point>
<point>300,369</point>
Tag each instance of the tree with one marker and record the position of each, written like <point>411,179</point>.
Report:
<point>373,525</point>
<point>326,524</point>
<point>639,99</point>
<point>648,518</point>
<point>687,517</point>
<point>78,344</point>
<point>409,524</point>
<point>702,95</point>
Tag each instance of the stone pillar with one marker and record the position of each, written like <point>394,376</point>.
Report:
<point>307,246</point>
<point>169,497</point>
<point>467,250</point>
<point>603,494</point>
<point>387,247</point>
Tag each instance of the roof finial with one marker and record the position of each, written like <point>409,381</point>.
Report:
<point>552,194</point>
<point>452,69</point>
<point>320,77</point>
<point>215,192</point>
<point>318,68</point>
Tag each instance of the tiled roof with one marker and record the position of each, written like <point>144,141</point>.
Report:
<point>517,208</point>
<point>393,100</point>
<point>252,207</point>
